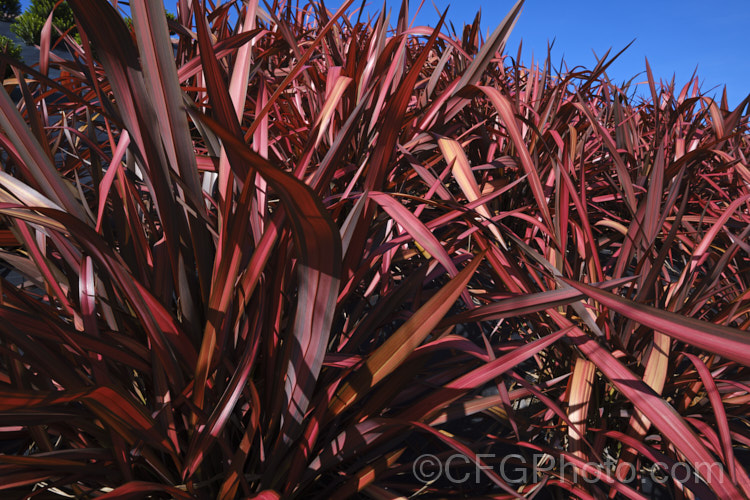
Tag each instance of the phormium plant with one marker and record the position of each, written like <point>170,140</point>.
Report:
<point>289,253</point>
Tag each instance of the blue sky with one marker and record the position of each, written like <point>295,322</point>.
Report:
<point>676,36</point>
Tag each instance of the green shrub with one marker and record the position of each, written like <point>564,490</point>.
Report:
<point>8,46</point>
<point>29,25</point>
<point>11,48</point>
<point>9,9</point>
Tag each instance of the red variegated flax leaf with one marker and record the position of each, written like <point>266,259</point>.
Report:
<point>234,244</point>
